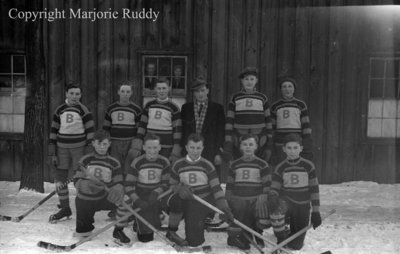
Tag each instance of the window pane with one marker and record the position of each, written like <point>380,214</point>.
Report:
<point>390,88</point>
<point>398,128</point>
<point>5,63</point>
<point>150,64</point>
<point>19,104</point>
<point>6,123</point>
<point>376,88</point>
<point>5,83</point>
<point>19,64</point>
<point>374,128</point>
<point>389,128</point>
<point>398,109</point>
<point>18,123</point>
<point>6,104</point>
<point>377,68</point>
<point>389,108</point>
<point>392,68</point>
<point>165,67</point>
<point>375,108</point>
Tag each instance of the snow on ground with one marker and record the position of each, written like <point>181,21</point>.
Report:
<point>367,221</point>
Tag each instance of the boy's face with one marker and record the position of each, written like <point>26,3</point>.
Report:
<point>249,82</point>
<point>125,93</point>
<point>201,94</point>
<point>248,147</point>
<point>73,96</point>
<point>292,150</point>
<point>194,149</point>
<point>101,147</point>
<point>151,69</point>
<point>178,72</point>
<point>162,90</point>
<point>152,148</point>
<point>287,89</point>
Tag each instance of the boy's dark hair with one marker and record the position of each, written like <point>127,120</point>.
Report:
<point>72,85</point>
<point>293,138</point>
<point>248,136</point>
<point>101,135</point>
<point>287,79</point>
<point>195,137</point>
<point>162,80</point>
<point>126,83</point>
<point>151,136</point>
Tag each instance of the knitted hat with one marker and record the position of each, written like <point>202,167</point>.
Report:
<point>289,79</point>
<point>198,82</point>
<point>248,71</point>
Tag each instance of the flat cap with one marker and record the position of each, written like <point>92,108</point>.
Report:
<point>198,82</point>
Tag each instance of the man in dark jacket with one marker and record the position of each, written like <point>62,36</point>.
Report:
<point>206,118</point>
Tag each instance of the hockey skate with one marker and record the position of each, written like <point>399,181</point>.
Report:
<point>174,237</point>
<point>64,212</point>
<point>236,239</point>
<point>120,237</point>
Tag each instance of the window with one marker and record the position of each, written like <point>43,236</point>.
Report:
<point>12,92</point>
<point>174,68</point>
<point>384,98</point>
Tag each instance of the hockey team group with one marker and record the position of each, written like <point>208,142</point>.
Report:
<point>161,159</point>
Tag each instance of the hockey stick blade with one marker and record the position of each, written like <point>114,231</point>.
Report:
<point>55,247</point>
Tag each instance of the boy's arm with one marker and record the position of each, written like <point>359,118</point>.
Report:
<point>137,143</point>
<point>177,136</point>
<point>52,147</point>
<point>266,178</point>
<point>107,121</point>
<point>305,127</point>
<point>164,179</point>
<point>314,189</point>
<point>229,120</point>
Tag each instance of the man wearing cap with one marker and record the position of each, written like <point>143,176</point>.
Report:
<point>248,113</point>
<point>206,118</point>
<point>290,115</point>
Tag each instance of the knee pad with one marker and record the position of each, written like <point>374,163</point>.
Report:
<point>144,238</point>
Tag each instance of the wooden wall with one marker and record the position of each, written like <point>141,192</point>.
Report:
<point>324,44</point>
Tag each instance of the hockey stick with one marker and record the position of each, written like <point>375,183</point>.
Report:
<point>163,237</point>
<point>21,217</point>
<point>240,224</point>
<point>56,247</point>
<point>294,236</point>
<point>255,245</point>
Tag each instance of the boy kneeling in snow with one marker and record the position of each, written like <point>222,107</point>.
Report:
<point>294,187</point>
<point>97,170</point>
<point>193,175</point>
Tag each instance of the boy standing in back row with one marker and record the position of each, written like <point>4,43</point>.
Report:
<point>71,133</point>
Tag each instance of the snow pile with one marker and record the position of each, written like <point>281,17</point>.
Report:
<point>367,221</point>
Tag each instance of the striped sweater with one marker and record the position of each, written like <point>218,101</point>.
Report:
<point>290,116</point>
<point>248,113</point>
<point>121,120</point>
<point>162,118</point>
<point>297,181</point>
<point>248,177</point>
<point>72,126</point>
<point>105,168</point>
<point>145,176</point>
<point>200,175</point>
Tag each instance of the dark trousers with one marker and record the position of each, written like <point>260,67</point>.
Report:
<point>298,217</point>
<point>85,210</point>
<point>194,214</point>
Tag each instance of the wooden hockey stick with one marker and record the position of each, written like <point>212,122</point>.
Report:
<point>21,217</point>
<point>240,224</point>
<point>294,236</point>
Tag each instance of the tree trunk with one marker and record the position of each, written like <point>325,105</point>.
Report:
<point>35,107</point>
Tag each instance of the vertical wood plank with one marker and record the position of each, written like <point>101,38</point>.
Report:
<point>235,46</point>
<point>89,61</point>
<point>172,24</point>
<point>104,62</point>
<point>269,48</point>
<point>218,47</point>
<point>251,34</point>
<point>72,44</point>
<point>318,82</point>
<point>152,34</point>
<point>201,37</point>
<point>135,43</point>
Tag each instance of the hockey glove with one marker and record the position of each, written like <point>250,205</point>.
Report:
<point>116,194</point>
<point>153,197</point>
<point>222,204</point>
<point>140,203</point>
<point>261,206</point>
<point>185,192</point>
<point>273,202</point>
<point>88,187</point>
<point>316,219</point>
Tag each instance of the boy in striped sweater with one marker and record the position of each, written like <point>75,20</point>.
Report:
<point>193,175</point>
<point>120,120</point>
<point>248,112</point>
<point>290,115</point>
<point>97,170</point>
<point>294,181</point>
<point>71,133</point>
<point>162,117</point>
<point>246,191</point>
<point>146,179</point>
